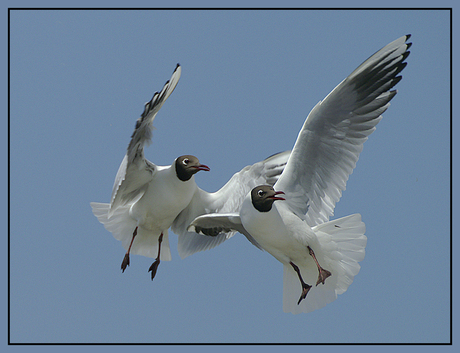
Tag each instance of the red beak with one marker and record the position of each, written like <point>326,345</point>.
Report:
<point>274,197</point>
<point>203,167</point>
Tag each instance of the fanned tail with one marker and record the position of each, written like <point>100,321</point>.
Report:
<point>341,246</point>
<point>122,226</point>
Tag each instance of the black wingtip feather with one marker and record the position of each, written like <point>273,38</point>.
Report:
<point>405,55</point>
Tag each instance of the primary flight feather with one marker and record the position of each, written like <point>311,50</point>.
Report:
<point>290,219</point>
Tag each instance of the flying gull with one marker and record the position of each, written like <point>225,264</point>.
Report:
<point>148,199</point>
<point>290,219</point>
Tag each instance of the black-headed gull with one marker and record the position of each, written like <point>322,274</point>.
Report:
<point>148,199</point>
<point>320,257</point>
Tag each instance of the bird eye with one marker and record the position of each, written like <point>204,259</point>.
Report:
<point>260,193</point>
<point>185,161</point>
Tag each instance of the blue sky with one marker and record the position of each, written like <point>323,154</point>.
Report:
<point>79,80</point>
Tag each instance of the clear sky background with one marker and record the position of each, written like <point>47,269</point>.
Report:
<point>79,80</point>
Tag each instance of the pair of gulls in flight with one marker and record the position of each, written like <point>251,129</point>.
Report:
<point>281,204</point>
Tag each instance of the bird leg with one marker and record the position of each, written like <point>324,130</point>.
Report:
<point>154,266</point>
<point>125,262</point>
<point>322,273</point>
<point>305,287</point>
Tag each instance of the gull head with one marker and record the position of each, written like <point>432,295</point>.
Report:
<point>263,197</point>
<point>187,166</point>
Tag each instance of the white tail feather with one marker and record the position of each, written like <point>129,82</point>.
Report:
<point>341,247</point>
<point>122,226</point>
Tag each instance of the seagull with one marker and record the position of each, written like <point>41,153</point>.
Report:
<point>148,199</point>
<point>290,220</point>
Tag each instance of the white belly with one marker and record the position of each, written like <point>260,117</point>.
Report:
<point>284,236</point>
<point>164,199</point>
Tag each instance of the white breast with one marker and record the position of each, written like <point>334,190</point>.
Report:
<point>164,199</point>
<point>276,231</point>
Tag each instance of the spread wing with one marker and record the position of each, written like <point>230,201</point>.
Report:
<point>332,137</point>
<point>211,225</point>
<point>135,172</point>
<point>228,199</point>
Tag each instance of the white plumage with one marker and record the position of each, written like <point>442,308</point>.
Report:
<point>320,257</point>
<point>148,199</point>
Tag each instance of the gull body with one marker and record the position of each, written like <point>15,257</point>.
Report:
<point>290,220</point>
<point>319,262</point>
<point>148,199</point>
<point>277,230</point>
<point>163,200</point>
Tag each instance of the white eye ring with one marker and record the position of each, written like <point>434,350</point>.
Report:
<point>260,193</point>
<point>185,161</point>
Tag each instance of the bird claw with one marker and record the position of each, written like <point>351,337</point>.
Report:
<point>323,274</point>
<point>305,289</point>
<point>153,268</point>
<point>125,263</point>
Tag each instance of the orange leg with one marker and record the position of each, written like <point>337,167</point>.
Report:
<point>323,274</point>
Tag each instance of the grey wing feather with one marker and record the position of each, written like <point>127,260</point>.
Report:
<point>143,131</point>
<point>212,225</point>
<point>135,172</point>
<point>228,199</point>
<point>331,139</point>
